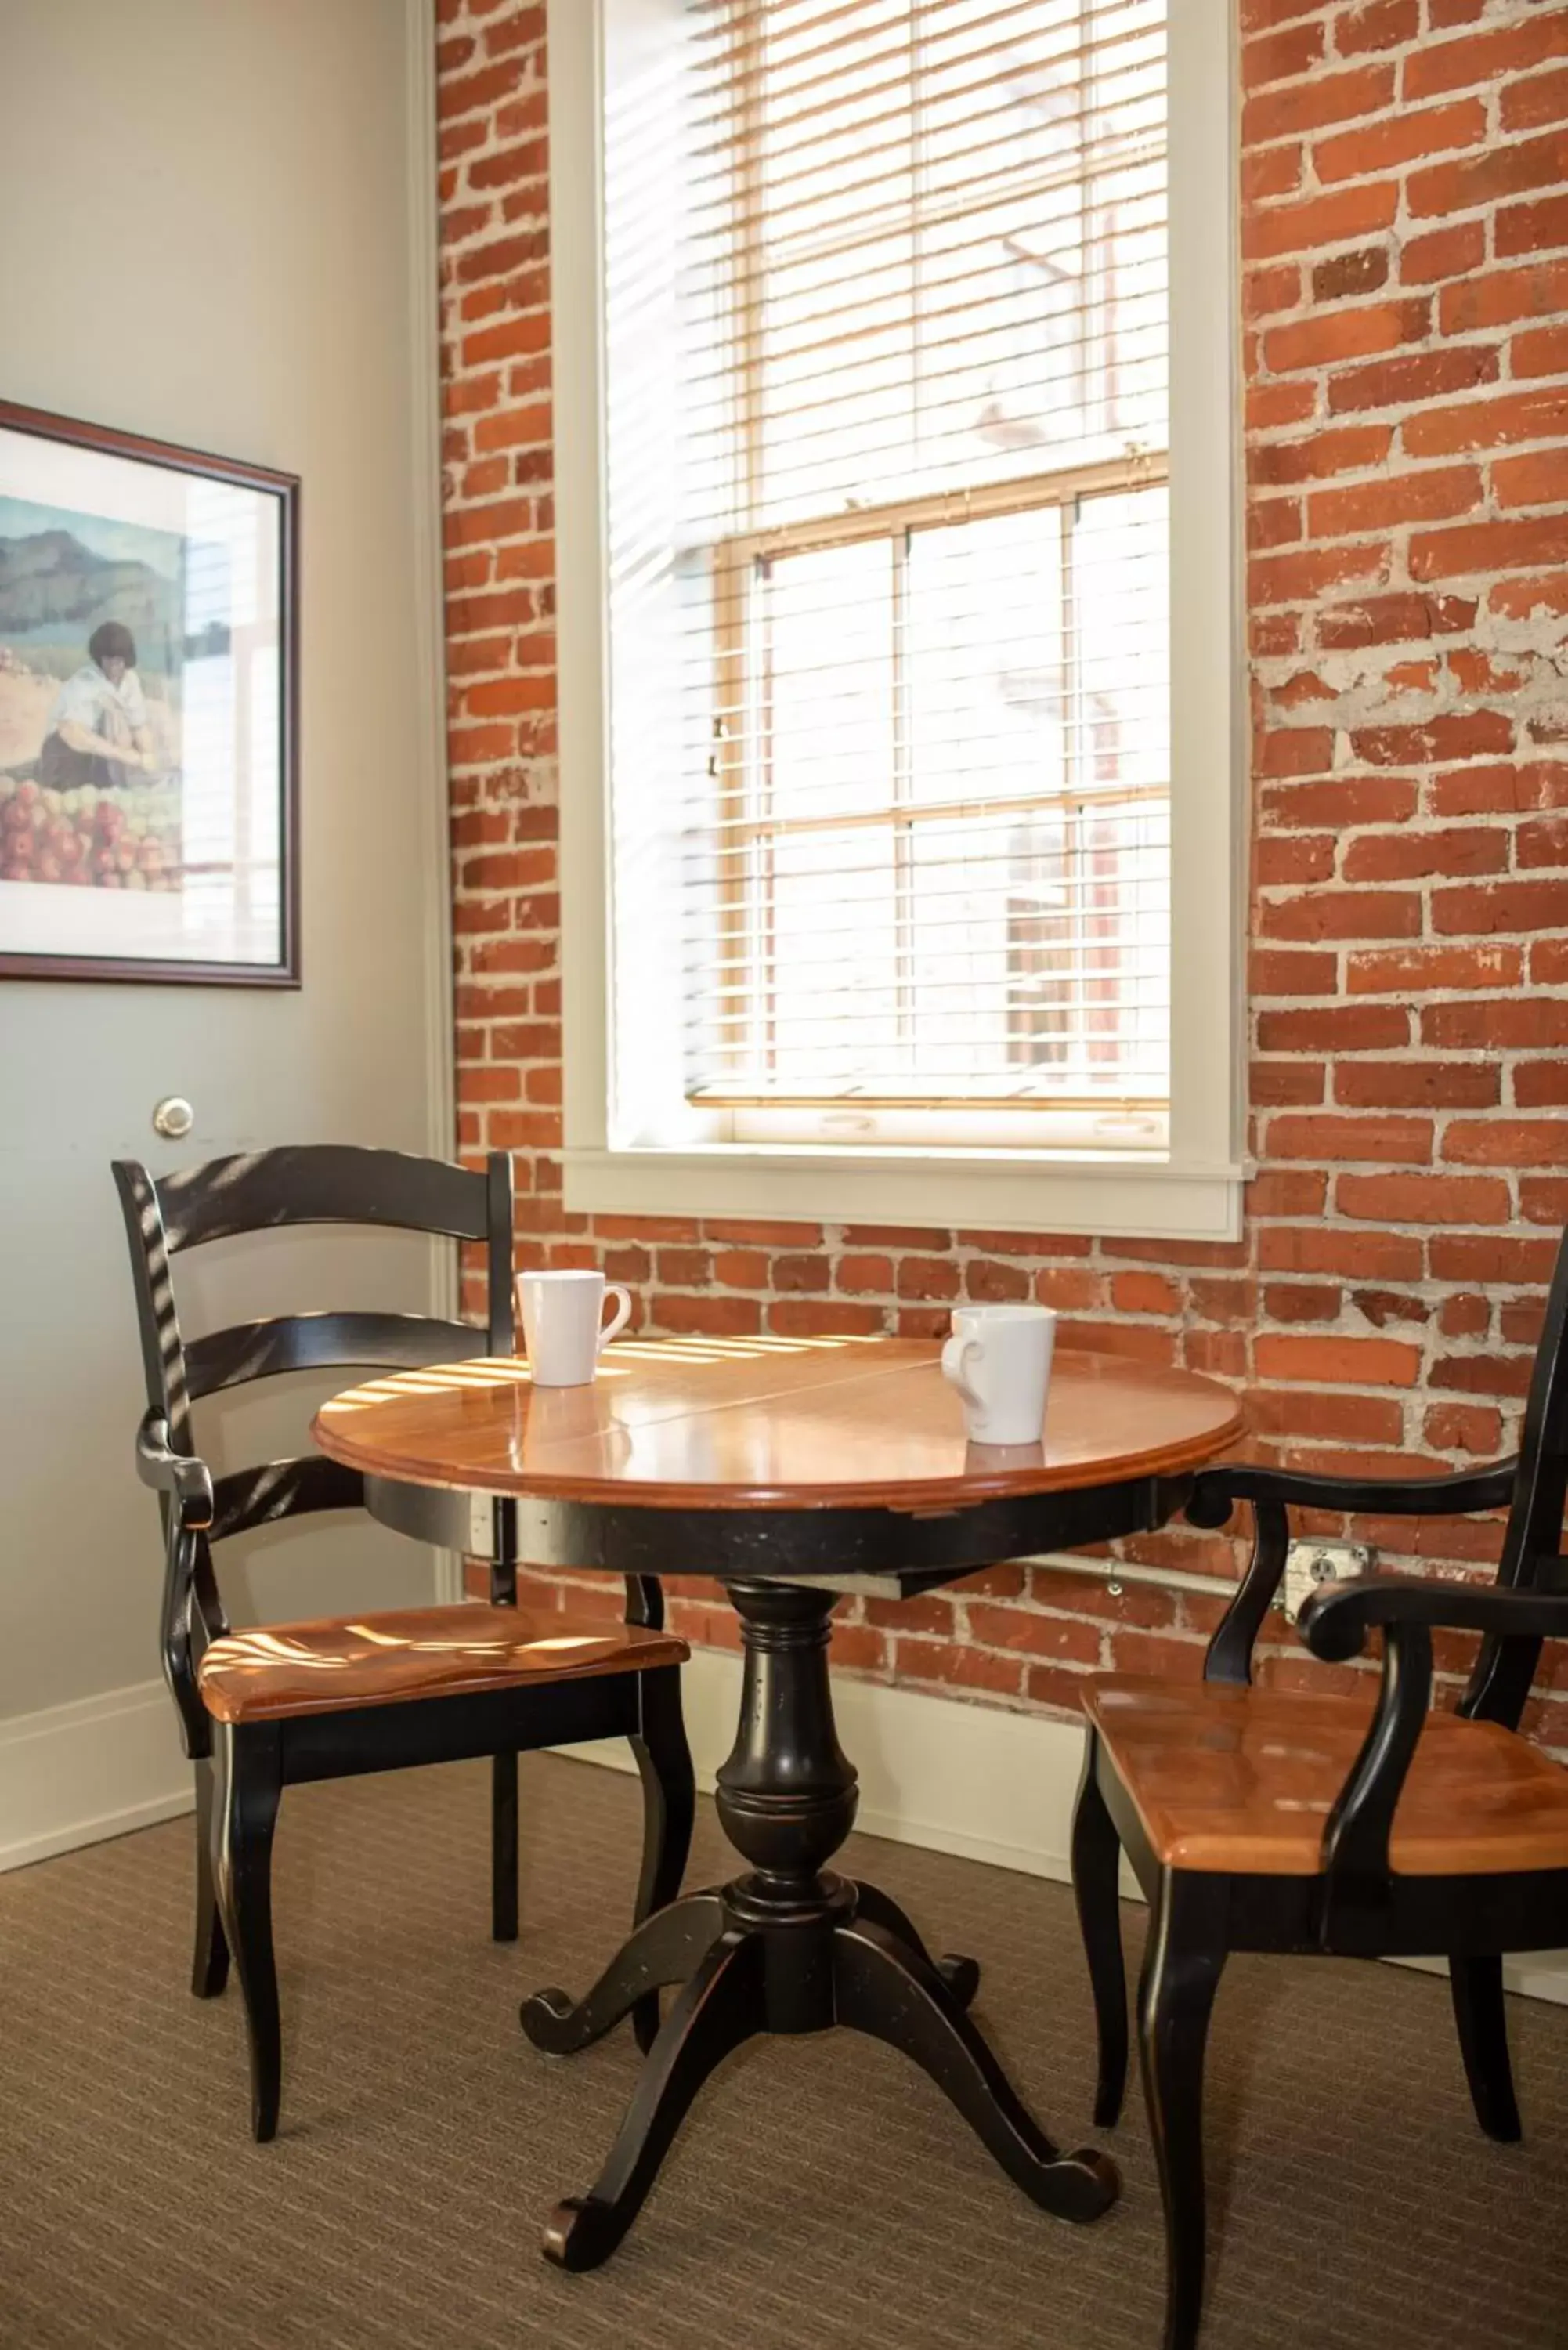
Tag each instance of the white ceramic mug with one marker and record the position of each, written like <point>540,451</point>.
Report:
<point>561,1314</point>
<point>999,1358</point>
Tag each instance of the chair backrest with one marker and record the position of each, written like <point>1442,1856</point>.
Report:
<point>1533,1545</point>
<point>321,1183</point>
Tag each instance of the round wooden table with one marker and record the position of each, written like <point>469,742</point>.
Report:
<point>792,1470</point>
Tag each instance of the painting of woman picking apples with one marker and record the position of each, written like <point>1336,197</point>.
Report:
<point>147,697</point>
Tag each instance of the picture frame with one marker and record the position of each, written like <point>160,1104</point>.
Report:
<point>149,710</point>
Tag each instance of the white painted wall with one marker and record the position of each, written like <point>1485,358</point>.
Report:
<point>219,231</point>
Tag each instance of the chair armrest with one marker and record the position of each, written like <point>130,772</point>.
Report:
<point>1272,1492</point>
<point>181,1475</point>
<point>1215,1491</point>
<point>1335,1621</point>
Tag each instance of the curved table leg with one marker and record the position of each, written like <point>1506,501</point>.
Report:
<point>721,2006</point>
<point>962,1976</point>
<point>894,1995</point>
<point>665,1948</point>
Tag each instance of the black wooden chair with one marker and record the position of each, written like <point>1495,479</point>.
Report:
<point>265,1709</point>
<point>1260,1820</point>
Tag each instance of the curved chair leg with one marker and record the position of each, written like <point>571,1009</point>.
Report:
<point>1476,1986</point>
<point>252,1788</point>
<point>1182,1965</point>
<point>891,1995</point>
<point>962,1976</point>
<point>667,1948</point>
<point>723,2005</point>
<point>210,1959</point>
<point>504,1847</point>
<point>1097,1862</point>
<point>668,1808</point>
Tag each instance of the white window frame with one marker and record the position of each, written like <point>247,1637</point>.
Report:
<point>1193,1190</point>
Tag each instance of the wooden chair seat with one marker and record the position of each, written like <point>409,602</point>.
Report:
<point>1242,1779</point>
<point>282,1669</point>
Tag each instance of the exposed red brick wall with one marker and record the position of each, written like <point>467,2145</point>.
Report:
<point>1405,296</point>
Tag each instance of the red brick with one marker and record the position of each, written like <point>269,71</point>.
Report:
<point>1412,855</point>
<point>1270,171</point>
<point>932,1277</point>
<point>1417,1084</point>
<point>1540,479</point>
<point>1510,169</point>
<point>1418,970</point>
<point>1347,449</point>
<point>1342,914</point>
<point>1296,576</point>
<point>1543,1199</point>
<point>1496,905</point>
<point>1404,138</point>
<point>1533,1024</point>
<point>1423,1198</point>
<point>1338,218</point>
<point>1302,1301</point>
<point>1442,253</point>
<point>1462,1427</point>
<point>1489,424</point>
<point>1541,98</point>
<point>1505,545</point>
<point>958,1668</point>
<point>1377,25</point>
<point>1426,374</point>
<point>1286,1084</point>
<point>995,1285</point>
<point>1325,338</point>
<point>1348,274</point>
<point>1342,801</point>
<point>706,1317</point>
<point>1502,296</point>
<point>1145,1292</point>
<point>1531,228</point>
<point>1436,494</point>
<point>823,1317</point>
<point>1399,619</point>
<point>1326,98</point>
<point>1337,1361</point>
<point>1541,1085</point>
<point>1508,1142</point>
<point>1335,1028</point>
<point>1403,1142</point>
<point>1543,351</point>
<point>1036,1635</point>
<point>1477,57</point>
<point>1359,1255</point>
<point>1281,55</point>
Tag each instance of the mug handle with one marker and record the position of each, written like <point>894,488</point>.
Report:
<point>620,1317</point>
<point>956,1356</point>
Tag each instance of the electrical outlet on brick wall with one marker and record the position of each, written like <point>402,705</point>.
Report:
<point>1308,1563</point>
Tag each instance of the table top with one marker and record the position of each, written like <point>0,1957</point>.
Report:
<point>768,1424</point>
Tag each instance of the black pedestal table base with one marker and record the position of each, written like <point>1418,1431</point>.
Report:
<point>789,1948</point>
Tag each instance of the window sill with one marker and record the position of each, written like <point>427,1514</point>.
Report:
<point>1109,1196</point>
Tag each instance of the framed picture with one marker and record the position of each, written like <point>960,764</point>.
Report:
<point>149,655</point>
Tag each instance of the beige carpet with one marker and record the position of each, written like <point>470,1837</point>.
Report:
<point>822,2194</point>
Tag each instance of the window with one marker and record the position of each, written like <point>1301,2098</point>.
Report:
<point>880,442</point>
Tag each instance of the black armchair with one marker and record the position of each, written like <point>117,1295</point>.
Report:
<point>1266,1820</point>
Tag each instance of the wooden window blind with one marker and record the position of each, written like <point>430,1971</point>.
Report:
<point>922,843</point>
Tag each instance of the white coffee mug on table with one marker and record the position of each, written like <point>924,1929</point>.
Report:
<point>999,1358</point>
<point>561,1314</point>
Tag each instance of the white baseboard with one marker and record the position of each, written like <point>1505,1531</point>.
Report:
<point>972,1779</point>
<point>100,1766</point>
